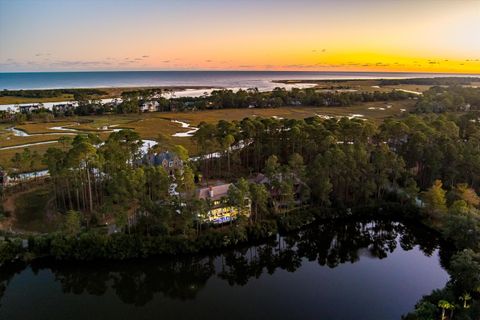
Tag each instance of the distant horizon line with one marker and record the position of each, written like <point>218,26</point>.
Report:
<point>207,70</point>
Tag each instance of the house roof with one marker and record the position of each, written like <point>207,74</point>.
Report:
<point>169,156</point>
<point>157,159</point>
<point>214,192</point>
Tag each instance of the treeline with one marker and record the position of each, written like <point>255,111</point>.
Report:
<point>41,114</point>
<point>313,161</point>
<point>50,93</point>
<point>330,243</point>
<point>298,97</point>
<point>443,81</point>
<point>225,99</point>
<point>356,156</point>
<point>94,245</point>
<point>317,162</point>
<point>456,216</point>
<point>445,99</point>
<point>151,100</point>
<point>93,180</point>
<point>133,101</point>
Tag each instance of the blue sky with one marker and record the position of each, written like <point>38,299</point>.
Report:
<point>55,35</point>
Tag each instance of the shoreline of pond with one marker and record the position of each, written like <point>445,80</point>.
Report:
<point>124,246</point>
<point>327,252</point>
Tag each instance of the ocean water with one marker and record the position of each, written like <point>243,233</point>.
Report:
<point>219,79</point>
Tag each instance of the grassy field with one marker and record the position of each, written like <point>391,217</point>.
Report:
<point>150,125</point>
<point>411,87</point>
<point>12,140</point>
<point>7,155</point>
<point>45,127</point>
<point>362,85</point>
<point>15,100</point>
<point>296,112</point>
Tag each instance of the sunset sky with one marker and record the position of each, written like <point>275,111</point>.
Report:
<point>342,35</point>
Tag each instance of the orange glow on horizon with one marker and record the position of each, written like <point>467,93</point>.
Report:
<point>347,35</point>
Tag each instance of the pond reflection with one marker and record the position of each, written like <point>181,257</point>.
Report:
<point>137,282</point>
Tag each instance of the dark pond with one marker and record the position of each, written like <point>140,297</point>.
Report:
<point>349,270</point>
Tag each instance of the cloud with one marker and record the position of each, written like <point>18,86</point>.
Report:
<point>145,56</point>
<point>9,62</point>
<point>42,54</point>
<point>79,63</point>
<point>318,65</point>
<point>66,64</point>
<point>133,58</point>
<point>299,66</point>
<point>327,65</point>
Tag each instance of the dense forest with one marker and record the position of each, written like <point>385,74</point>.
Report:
<point>342,162</point>
<point>453,99</point>
<point>436,81</point>
<point>346,161</point>
<point>51,93</point>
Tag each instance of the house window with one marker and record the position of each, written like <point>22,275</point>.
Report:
<point>170,164</point>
